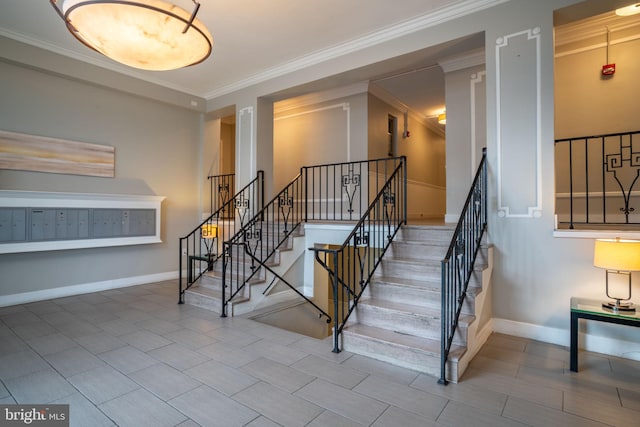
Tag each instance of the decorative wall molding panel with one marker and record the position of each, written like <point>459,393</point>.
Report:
<point>33,221</point>
<point>477,91</point>
<point>519,145</point>
<point>42,154</point>
<point>343,105</point>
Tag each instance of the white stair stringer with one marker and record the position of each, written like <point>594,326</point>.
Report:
<point>207,291</point>
<point>398,317</point>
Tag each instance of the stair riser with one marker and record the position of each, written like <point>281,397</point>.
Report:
<point>426,235</point>
<point>407,250</point>
<point>427,271</point>
<point>406,323</point>
<point>416,296</point>
<point>410,358</point>
<point>208,303</point>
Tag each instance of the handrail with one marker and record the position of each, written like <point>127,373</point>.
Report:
<point>259,239</point>
<point>458,264</point>
<point>330,192</point>
<point>352,265</point>
<point>214,230</point>
<point>598,174</point>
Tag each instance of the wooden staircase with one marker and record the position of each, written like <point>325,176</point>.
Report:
<point>397,319</point>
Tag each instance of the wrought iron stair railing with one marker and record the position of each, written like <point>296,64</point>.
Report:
<point>351,265</point>
<point>596,179</point>
<point>221,188</point>
<point>331,192</point>
<point>458,264</point>
<point>201,248</point>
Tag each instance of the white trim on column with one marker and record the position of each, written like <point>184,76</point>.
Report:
<point>252,156</point>
<point>533,211</point>
<point>476,78</point>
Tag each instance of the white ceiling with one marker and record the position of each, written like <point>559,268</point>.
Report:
<point>258,39</point>
<point>251,38</point>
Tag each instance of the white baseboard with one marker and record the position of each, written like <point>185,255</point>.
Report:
<point>85,288</point>
<point>594,343</point>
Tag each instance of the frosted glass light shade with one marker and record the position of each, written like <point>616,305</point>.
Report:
<point>632,9</point>
<point>442,119</point>
<point>145,34</point>
<point>617,254</point>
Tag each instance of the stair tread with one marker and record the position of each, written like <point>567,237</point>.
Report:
<point>426,345</point>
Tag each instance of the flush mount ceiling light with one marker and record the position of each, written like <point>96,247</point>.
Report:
<point>146,34</point>
<point>628,10</point>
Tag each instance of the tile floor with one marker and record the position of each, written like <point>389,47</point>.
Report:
<point>133,357</point>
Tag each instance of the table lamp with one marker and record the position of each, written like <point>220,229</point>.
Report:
<point>619,257</point>
<point>209,233</point>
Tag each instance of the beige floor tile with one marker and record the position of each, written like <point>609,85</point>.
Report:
<point>164,381</point>
<point>425,404</point>
<point>277,405</point>
<point>347,403</point>
<point>630,399</point>
<point>178,356</point>
<point>395,417</point>
<point>600,411</point>
<point>276,352</point>
<point>330,419</point>
<point>277,374</point>
<point>140,408</point>
<point>339,374</point>
<point>542,416</point>
<point>463,392</point>
<point>210,408</point>
<point>102,384</point>
<point>228,355</point>
<point>223,378</point>
<point>381,369</point>
<point>458,414</point>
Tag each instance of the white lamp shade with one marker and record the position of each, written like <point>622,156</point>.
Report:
<point>146,34</point>
<point>617,254</point>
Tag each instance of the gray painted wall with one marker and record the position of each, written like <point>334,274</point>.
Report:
<point>157,147</point>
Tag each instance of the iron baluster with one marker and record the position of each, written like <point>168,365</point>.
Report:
<point>389,199</point>
<point>242,208</point>
<point>350,184</point>
<point>285,204</point>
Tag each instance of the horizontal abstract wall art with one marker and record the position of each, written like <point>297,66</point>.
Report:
<point>42,154</point>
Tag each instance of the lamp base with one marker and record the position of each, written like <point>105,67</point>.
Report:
<point>619,306</point>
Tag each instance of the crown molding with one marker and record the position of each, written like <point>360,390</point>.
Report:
<point>418,23</point>
<point>593,27</point>
<point>319,97</point>
<point>461,62</point>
